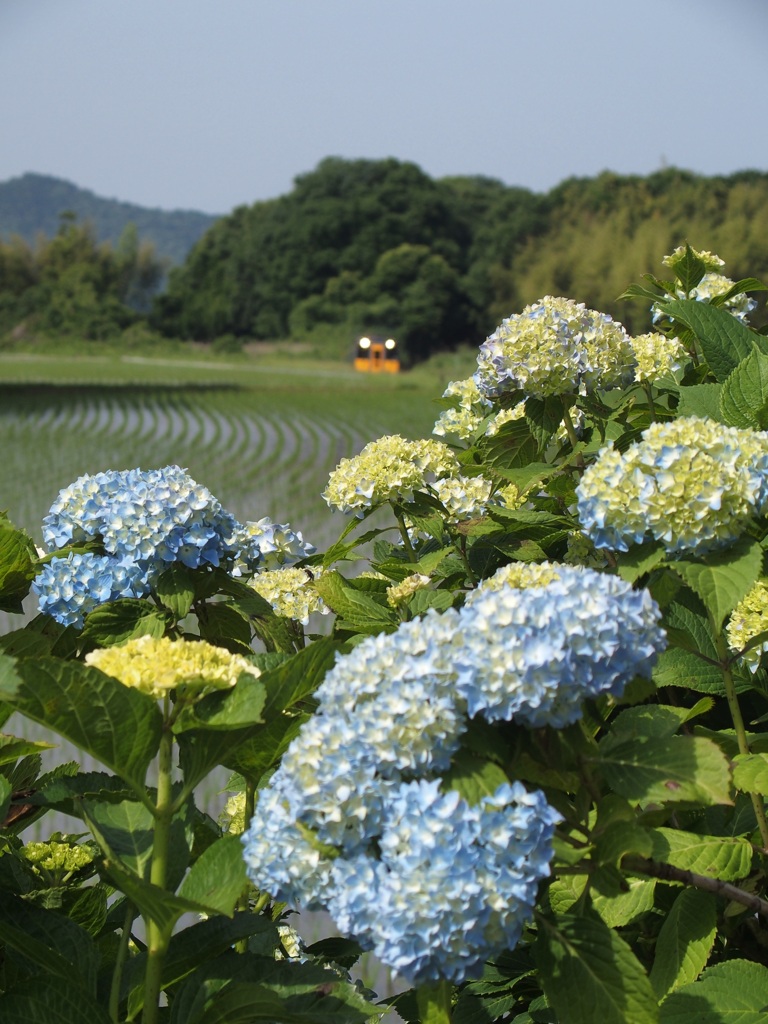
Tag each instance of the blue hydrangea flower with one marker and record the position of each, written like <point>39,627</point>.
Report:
<point>265,546</point>
<point>145,518</point>
<point>539,652</point>
<point>69,588</point>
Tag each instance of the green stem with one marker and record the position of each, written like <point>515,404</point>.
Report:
<point>406,539</point>
<point>462,549</point>
<point>244,902</point>
<point>649,395</point>
<point>741,733</point>
<point>570,430</point>
<point>158,936</point>
<point>434,1002</point>
<point>122,954</point>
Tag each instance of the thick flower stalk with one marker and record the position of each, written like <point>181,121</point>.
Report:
<point>388,469</point>
<point>554,347</point>
<point>692,484</point>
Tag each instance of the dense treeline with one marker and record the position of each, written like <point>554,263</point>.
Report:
<point>72,284</point>
<point>378,245</point>
<point>360,245</point>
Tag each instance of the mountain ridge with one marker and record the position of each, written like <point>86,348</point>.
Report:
<point>32,204</point>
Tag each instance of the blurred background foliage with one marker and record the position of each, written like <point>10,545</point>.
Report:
<point>365,245</point>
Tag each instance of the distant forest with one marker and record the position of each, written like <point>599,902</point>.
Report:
<point>376,245</point>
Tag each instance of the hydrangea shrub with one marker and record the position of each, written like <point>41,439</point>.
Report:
<point>523,762</point>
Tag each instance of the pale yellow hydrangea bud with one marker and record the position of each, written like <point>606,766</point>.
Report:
<point>510,497</point>
<point>391,468</point>
<point>505,416</point>
<point>465,420</point>
<point>463,496</point>
<point>518,575</point>
<point>581,551</point>
<point>290,592</point>
<point>711,261</point>
<point>399,593</point>
<point>657,356</point>
<point>748,619</point>
<point>157,665</point>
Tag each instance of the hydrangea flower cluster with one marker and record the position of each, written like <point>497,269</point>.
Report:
<point>657,356</point>
<point>464,496</point>
<point>542,638</point>
<point>265,546</point>
<point>711,260</point>
<point>146,520</point>
<point>69,588</point>
<point>156,665</point>
<point>390,468</point>
<point>554,347</point>
<point>399,593</point>
<point>355,818</point>
<point>748,619</point>
<point>291,593</point>
<point>692,484</point>
<point>463,420</point>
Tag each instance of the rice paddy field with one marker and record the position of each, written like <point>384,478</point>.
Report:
<point>261,433</point>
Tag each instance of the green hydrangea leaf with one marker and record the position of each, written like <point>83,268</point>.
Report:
<point>728,858</point>
<point>750,773</point>
<point>589,973</point>
<point>744,398</point>
<point>721,579</point>
<point>121,620</point>
<point>734,992</point>
<point>684,942</point>
<point>724,340</point>
<point>118,726</point>
<point>662,769</point>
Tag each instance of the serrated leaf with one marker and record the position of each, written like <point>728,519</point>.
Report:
<point>362,612</point>
<point>688,268</point>
<point>734,992</point>
<point>199,944</point>
<point>639,560</point>
<point>728,858</point>
<point>217,878</point>
<point>117,725</point>
<point>744,398</point>
<point>620,838</point>
<point>50,999</point>
<point>624,907</point>
<point>750,773</point>
<point>226,709</point>
<point>721,579</point>
<point>660,770</point>
<point>13,747</point>
<point>724,340</point>
<point>565,891</point>
<point>17,565</point>
<point>684,942</point>
<point>224,626</point>
<point>121,620</point>
<point>701,400</point>
<point>176,589</point>
<point>589,973</point>
<point>659,720</point>
<point>423,600</point>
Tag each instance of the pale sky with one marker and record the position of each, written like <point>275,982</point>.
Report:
<point>209,104</point>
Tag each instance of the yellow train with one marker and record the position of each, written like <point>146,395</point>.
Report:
<point>375,356</point>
